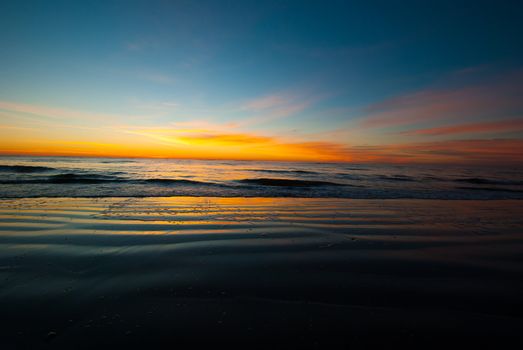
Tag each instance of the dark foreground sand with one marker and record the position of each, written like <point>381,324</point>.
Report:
<point>260,273</point>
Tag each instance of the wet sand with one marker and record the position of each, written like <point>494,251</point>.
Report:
<point>260,272</point>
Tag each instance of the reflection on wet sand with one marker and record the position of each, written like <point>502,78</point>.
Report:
<point>258,270</point>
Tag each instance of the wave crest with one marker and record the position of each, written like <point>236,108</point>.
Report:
<point>26,169</point>
<point>287,182</point>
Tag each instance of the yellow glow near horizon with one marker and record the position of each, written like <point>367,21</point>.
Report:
<point>206,144</point>
<point>169,143</point>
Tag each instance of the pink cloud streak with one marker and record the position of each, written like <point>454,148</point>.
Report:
<point>485,127</point>
<point>493,98</point>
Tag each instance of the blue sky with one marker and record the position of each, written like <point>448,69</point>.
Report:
<point>304,71</point>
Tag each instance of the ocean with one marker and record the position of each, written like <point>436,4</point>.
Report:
<point>27,177</point>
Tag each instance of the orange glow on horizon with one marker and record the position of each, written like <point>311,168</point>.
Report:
<point>199,139</point>
<point>218,147</point>
<point>246,147</point>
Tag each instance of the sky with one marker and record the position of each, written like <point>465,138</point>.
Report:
<point>344,81</point>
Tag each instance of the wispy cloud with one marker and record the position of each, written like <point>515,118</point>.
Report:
<point>13,127</point>
<point>478,151</point>
<point>133,46</point>
<point>494,98</point>
<point>485,127</point>
<point>55,113</point>
<point>276,106</point>
<point>268,102</point>
<point>157,106</point>
<point>339,52</point>
<point>156,77</point>
<point>220,142</point>
<point>142,44</point>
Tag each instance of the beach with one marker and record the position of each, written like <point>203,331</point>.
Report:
<point>261,175</point>
<point>259,272</point>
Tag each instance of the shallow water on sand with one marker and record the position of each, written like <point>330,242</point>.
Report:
<point>259,271</point>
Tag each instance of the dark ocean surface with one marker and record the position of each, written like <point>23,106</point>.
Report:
<point>24,177</point>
